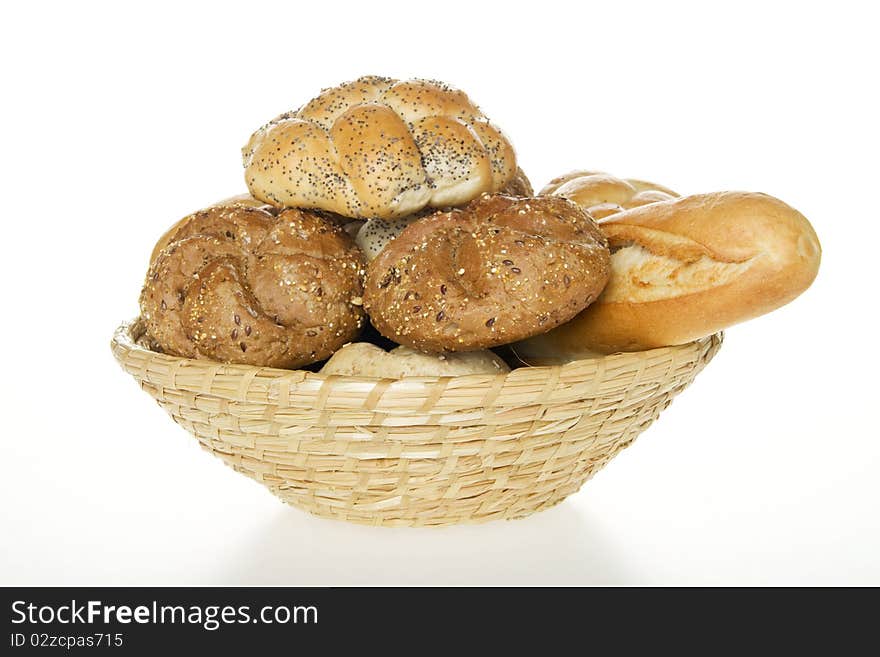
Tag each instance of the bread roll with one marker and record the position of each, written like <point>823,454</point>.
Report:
<point>240,200</point>
<point>497,270</point>
<point>366,359</point>
<point>686,268</point>
<point>603,195</point>
<point>379,147</point>
<point>238,284</point>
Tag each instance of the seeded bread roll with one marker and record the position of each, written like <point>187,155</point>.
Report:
<point>686,268</point>
<point>351,226</point>
<point>603,195</point>
<point>498,270</point>
<point>240,200</point>
<point>378,147</point>
<point>366,359</point>
<point>374,234</point>
<point>237,284</point>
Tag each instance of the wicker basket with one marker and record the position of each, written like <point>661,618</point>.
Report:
<point>419,450</point>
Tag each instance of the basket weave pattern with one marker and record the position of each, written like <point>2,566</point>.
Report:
<point>420,450</point>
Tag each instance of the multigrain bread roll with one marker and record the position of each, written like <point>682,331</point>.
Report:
<point>603,195</point>
<point>366,359</point>
<point>239,284</point>
<point>497,270</point>
<point>240,200</point>
<point>686,268</point>
<point>351,226</point>
<point>378,147</point>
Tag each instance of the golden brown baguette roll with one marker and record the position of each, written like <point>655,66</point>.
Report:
<point>686,268</point>
<point>603,195</point>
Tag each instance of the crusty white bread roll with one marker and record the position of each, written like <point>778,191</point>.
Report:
<point>378,147</point>
<point>686,268</point>
<point>603,195</point>
<point>366,359</point>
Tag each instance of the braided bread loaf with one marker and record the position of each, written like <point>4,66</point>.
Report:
<point>379,147</point>
<point>603,195</point>
<point>238,284</point>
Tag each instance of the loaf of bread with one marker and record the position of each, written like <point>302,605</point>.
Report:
<point>378,147</point>
<point>238,284</point>
<point>497,270</point>
<point>366,359</point>
<point>603,195</point>
<point>686,268</point>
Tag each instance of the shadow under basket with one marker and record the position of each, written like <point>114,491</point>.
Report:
<point>419,450</point>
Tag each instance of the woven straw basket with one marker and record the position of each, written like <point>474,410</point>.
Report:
<point>419,450</point>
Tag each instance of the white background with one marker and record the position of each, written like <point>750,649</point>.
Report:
<point>117,121</point>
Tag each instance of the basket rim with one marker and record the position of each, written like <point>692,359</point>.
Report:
<point>123,339</point>
<point>417,398</point>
